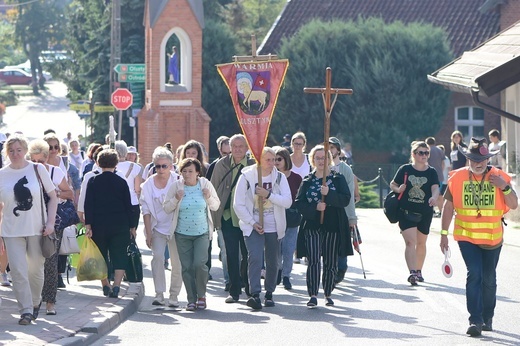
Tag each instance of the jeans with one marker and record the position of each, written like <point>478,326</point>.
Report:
<point>256,245</point>
<point>342,263</point>
<point>287,247</point>
<point>481,281</point>
<point>237,268</point>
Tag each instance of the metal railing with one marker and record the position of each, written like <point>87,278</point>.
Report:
<point>385,174</point>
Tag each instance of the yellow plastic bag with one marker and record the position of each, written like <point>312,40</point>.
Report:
<point>74,258</point>
<point>91,265</point>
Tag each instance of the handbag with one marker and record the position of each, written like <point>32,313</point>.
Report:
<point>48,242</point>
<point>69,244</point>
<point>391,204</point>
<point>66,215</point>
<point>134,271</point>
<point>293,217</point>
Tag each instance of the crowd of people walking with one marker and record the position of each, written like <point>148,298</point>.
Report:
<point>286,205</point>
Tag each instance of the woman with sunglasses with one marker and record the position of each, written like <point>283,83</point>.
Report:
<point>39,153</point>
<point>329,239</point>
<point>419,184</point>
<point>157,223</point>
<point>288,244</point>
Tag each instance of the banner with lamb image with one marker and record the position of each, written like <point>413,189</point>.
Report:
<point>254,89</point>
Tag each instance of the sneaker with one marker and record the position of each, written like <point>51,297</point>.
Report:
<point>227,287</point>
<point>474,329</point>
<point>312,303</point>
<point>329,301</point>
<point>173,302</point>
<point>231,299</point>
<point>296,260</point>
<point>4,280</point>
<point>254,303</point>
<point>488,325</point>
<point>412,279</point>
<point>191,307</point>
<point>262,274</point>
<point>419,276</point>
<point>159,299</point>
<point>287,283</point>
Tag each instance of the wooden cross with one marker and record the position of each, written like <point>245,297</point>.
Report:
<point>326,93</point>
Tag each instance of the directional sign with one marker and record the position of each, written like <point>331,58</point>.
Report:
<point>80,107</point>
<point>130,68</point>
<point>122,99</point>
<point>103,108</point>
<point>134,78</point>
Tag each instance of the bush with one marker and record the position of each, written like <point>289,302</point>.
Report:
<point>369,197</point>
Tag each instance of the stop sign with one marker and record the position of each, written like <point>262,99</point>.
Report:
<point>122,99</point>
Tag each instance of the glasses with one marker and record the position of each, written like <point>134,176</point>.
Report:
<point>38,161</point>
<point>422,153</point>
<point>55,147</point>
<point>164,166</point>
<point>319,158</point>
<point>279,159</point>
<point>298,144</point>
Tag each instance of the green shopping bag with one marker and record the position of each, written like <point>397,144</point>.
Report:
<point>91,264</point>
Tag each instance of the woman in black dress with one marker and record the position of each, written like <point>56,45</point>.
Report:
<point>108,217</point>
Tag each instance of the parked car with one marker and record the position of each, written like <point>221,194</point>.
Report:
<point>15,76</point>
<point>26,66</point>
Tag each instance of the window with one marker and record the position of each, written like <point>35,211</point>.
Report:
<point>470,121</point>
<point>181,78</point>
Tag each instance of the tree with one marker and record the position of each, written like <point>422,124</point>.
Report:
<point>37,24</point>
<point>217,47</point>
<point>386,66</point>
<point>88,35</point>
<point>10,53</point>
<point>248,17</point>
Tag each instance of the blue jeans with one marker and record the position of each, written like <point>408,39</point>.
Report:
<point>287,247</point>
<point>481,281</point>
<point>342,263</point>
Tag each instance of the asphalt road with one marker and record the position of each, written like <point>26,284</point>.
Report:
<point>35,114</point>
<point>382,309</point>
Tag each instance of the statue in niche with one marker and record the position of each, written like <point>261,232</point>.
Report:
<point>173,66</point>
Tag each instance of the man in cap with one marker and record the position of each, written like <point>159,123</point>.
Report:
<point>287,142</point>
<point>350,209</point>
<point>480,195</point>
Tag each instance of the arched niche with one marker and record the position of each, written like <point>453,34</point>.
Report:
<point>185,61</point>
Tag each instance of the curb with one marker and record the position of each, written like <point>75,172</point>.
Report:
<point>109,318</point>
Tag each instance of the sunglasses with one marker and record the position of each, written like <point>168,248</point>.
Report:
<point>279,159</point>
<point>55,147</point>
<point>164,166</point>
<point>423,153</point>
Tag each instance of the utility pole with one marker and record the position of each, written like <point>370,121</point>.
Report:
<point>115,43</point>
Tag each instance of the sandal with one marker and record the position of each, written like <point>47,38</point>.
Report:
<point>201,303</point>
<point>191,307</point>
<point>25,319</point>
<point>36,311</point>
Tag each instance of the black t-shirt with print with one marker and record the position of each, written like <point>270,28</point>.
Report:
<point>418,188</point>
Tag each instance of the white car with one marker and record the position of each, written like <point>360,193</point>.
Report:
<point>26,66</point>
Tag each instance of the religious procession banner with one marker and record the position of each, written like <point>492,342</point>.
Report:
<point>254,89</point>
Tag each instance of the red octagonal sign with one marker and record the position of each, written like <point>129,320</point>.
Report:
<point>122,99</point>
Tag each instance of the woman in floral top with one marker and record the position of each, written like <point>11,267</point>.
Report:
<point>330,238</point>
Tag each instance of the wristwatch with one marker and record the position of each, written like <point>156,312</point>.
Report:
<point>507,188</point>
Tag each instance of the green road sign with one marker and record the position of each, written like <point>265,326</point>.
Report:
<point>135,78</point>
<point>104,108</point>
<point>130,68</point>
<point>80,107</point>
